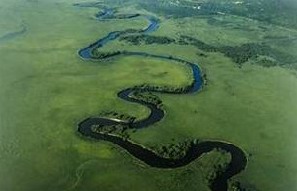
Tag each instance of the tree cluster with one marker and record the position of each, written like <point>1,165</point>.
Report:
<point>116,129</point>
<point>120,116</point>
<point>241,54</point>
<point>217,168</point>
<point>104,55</point>
<point>147,97</point>
<point>174,151</point>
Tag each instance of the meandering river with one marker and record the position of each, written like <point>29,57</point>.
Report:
<point>238,158</point>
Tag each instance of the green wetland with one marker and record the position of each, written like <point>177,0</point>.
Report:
<point>148,95</point>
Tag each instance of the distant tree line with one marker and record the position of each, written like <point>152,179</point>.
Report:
<point>187,40</point>
<point>241,54</point>
<point>104,55</point>
<point>164,89</point>
<point>146,39</point>
<point>126,16</point>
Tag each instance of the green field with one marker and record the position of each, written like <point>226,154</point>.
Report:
<point>46,89</point>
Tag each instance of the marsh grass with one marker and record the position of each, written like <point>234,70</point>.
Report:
<point>46,90</point>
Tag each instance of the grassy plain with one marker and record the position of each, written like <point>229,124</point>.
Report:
<point>46,89</point>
